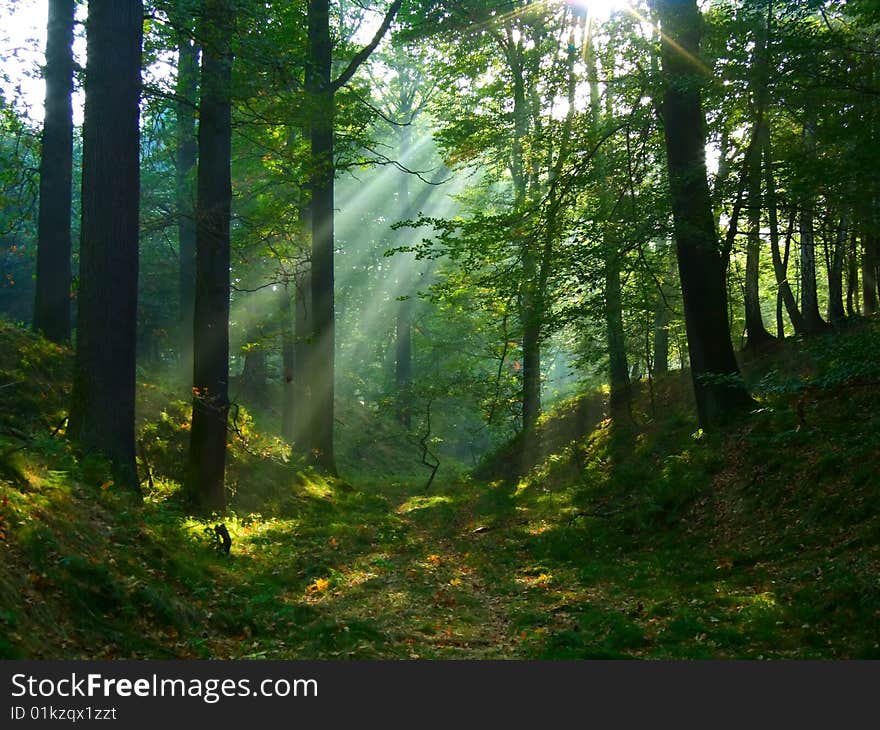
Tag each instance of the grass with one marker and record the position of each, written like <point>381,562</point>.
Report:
<point>646,539</point>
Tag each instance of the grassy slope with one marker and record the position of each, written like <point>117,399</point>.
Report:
<point>629,540</point>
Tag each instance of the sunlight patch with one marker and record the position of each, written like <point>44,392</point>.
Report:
<point>419,502</point>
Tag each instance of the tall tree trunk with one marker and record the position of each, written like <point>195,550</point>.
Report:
<point>288,363</point>
<point>661,319</point>
<point>755,329</point>
<point>780,264</point>
<point>870,261</point>
<point>52,296</point>
<point>700,262</point>
<point>403,325</point>
<point>852,275</point>
<point>618,367</point>
<point>207,453</point>
<point>322,355</point>
<point>102,403</point>
<point>403,361</point>
<point>529,299</point>
<point>252,384</point>
<point>320,87</point>
<point>302,395</point>
<point>836,311</point>
<point>809,295</point>
<point>185,161</point>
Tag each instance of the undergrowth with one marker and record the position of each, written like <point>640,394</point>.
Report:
<point>643,537</point>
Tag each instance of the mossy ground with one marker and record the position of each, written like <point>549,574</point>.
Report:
<point>644,539</point>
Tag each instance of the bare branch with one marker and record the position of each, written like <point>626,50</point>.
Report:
<point>365,52</point>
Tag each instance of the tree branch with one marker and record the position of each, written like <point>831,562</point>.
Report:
<point>365,52</point>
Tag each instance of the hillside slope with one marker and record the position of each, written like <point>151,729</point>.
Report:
<point>639,539</point>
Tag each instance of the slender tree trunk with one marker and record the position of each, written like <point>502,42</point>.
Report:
<point>403,361</point>
<point>661,319</point>
<point>836,311</point>
<point>302,394</point>
<point>755,329</point>
<point>529,300</point>
<point>253,374</point>
<point>403,325</point>
<point>531,368</point>
<point>700,262</point>
<point>780,265</point>
<point>809,295</point>
<point>288,364</point>
<point>870,260</point>
<point>852,275</point>
<point>618,367</point>
<point>207,454</point>
<point>102,403</point>
<point>185,162</point>
<point>758,335</point>
<point>322,355</point>
<point>52,296</point>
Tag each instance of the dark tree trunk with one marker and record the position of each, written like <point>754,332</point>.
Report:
<point>288,363</point>
<point>185,161</point>
<point>852,275</point>
<point>757,332</point>
<point>836,311</point>
<point>700,262</point>
<point>809,295</point>
<point>102,405</point>
<point>52,296</point>
<point>661,319</point>
<point>207,453</point>
<point>403,362</point>
<point>403,325</point>
<point>530,306</point>
<point>253,375</point>
<point>780,264</point>
<point>618,369</point>
<point>301,394</point>
<point>870,260</point>
<point>755,329</point>
<point>322,353</point>
<point>531,369</point>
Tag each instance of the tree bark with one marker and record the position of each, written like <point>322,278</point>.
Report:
<point>288,363</point>
<point>661,320</point>
<point>755,329</point>
<point>618,368</point>
<point>301,393</point>
<point>253,374</point>
<point>403,325</point>
<point>852,275</point>
<point>615,338</point>
<point>809,295</point>
<point>836,311</point>
<point>700,262</point>
<point>322,355</point>
<point>102,403</point>
<point>780,264</point>
<point>870,260</point>
<point>207,453</point>
<point>185,162</point>
<point>52,296</point>
<point>757,333</point>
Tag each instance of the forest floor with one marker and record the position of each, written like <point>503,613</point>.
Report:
<point>639,540</point>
